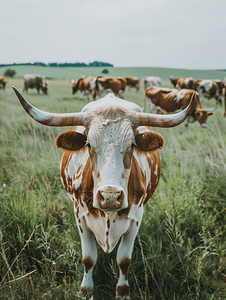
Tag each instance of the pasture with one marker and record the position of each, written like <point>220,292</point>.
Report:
<point>180,252</point>
<point>74,73</point>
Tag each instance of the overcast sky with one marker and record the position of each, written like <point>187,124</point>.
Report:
<point>127,33</point>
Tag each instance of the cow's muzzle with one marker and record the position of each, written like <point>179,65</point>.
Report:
<point>110,198</point>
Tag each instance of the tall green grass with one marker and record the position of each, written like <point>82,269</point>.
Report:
<point>180,250</point>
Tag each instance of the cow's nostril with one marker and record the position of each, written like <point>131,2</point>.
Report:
<point>110,198</point>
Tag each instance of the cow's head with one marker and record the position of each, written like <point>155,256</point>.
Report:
<point>74,87</point>
<point>173,80</point>
<point>76,84</point>
<point>201,116</point>
<point>110,137</point>
<point>44,87</point>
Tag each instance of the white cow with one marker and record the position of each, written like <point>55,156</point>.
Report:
<point>152,81</point>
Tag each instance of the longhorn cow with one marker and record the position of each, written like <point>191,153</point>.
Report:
<point>110,168</point>
<point>165,100</point>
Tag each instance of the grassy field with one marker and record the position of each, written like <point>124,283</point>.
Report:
<point>75,73</point>
<point>180,252</point>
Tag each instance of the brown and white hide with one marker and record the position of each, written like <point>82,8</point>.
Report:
<point>165,100</point>
<point>182,82</point>
<point>86,85</point>
<point>152,81</point>
<point>110,168</point>
<point>133,82</point>
<point>208,88</point>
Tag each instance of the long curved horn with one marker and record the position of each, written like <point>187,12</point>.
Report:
<point>50,119</point>
<point>166,121</point>
<point>207,109</point>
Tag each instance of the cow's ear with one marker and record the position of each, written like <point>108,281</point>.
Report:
<point>149,141</point>
<point>209,113</point>
<point>70,140</point>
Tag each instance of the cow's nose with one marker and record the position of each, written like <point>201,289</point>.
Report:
<point>204,125</point>
<point>110,198</point>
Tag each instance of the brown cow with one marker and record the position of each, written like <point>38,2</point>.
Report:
<point>86,85</point>
<point>2,83</point>
<point>182,82</point>
<point>208,88</point>
<point>133,82</point>
<point>166,100</point>
<point>105,85</point>
<point>123,83</point>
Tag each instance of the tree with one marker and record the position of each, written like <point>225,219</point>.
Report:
<point>105,71</point>
<point>9,73</point>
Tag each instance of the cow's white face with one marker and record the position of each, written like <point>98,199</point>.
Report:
<point>111,145</point>
<point>110,138</point>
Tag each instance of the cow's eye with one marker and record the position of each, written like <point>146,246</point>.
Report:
<point>88,144</point>
<point>133,145</point>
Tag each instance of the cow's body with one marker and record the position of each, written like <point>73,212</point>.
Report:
<point>152,81</point>
<point>35,81</point>
<point>2,83</point>
<point>86,85</point>
<point>133,82</point>
<point>165,100</point>
<point>110,168</point>
<point>182,82</point>
<point>114,85</point>
<point>208,88</point>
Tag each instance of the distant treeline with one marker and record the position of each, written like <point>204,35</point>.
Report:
<point>63,65</point>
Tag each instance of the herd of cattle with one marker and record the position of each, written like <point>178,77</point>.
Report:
<point>160,100</point>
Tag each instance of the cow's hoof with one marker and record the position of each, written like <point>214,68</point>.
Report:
<point>122,292</point>
<point>87,291</point>
<point>125,297</point>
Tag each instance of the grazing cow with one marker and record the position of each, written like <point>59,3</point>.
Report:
<point>182,83</point>
<point>166,100</point>
<point>86,85</point>
<point>2,83</point>
<point>133,82</point>
<point>123,83</point>
<point>32,81</point>
<point>105,85</point>
<point>208,88</point>
<point>110,168</point>
<point>152,81</point>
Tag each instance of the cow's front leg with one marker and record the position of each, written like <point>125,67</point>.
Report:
<point>218,100</point>
<point>124,255</point>
<point>89,256</point>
